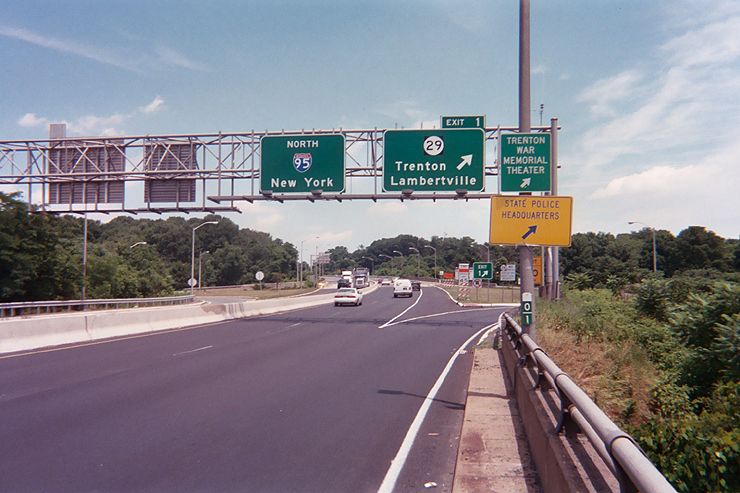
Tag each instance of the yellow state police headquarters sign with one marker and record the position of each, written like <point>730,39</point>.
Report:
<point>531,220</point>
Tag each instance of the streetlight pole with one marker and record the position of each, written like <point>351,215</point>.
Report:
<point>401,254</point>
<point>200,265</point>
<point>435,259</point>
<point>137,244</point>
<point>655,258</point>
<point>391,259</point>
<point>372,264</point>
<point>192,257</point>
<point>418,261</point>
<point>300,269</point>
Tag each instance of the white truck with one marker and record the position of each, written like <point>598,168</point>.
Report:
<point>361,277</point>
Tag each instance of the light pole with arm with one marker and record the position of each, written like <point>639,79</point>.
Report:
<point>200,267</point>
<point>435,259</point>
<point>418,260</point>
<point>137,244</point>
<point>372,264</point>
<point>192,257</point>
<point>401,254</point>
<point>655,258</point>
<point>388,257</point>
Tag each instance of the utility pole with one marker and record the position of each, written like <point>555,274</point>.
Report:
<point>526,252</point>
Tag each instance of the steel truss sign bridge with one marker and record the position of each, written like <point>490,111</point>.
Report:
<point>214,172</point>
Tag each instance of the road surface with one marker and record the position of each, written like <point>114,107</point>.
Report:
<point>319,400</point>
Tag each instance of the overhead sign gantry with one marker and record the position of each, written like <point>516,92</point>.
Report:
<point>212,172</point>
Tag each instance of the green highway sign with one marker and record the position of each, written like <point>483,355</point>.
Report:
<point>482,270</point>
<point>527,307</point>
<point>433,160</point>
<point>464,121</point>
<point>524,162</point>
<point>302,163</point>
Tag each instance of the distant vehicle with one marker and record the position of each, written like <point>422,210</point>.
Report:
<point>344,283</point>
<point>415,285</point>
<point>385,282</point>
<point>348,296</point>
<point>402,287</point>
<point>361,277</point>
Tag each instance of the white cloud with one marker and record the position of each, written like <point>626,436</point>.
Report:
<point>659,180</point>
<point>681,100</point>
<point>264,217</point>
<point>154,106</point>
<point>332,238</point>
<point>130,59</point>
<point>30,120</point>
<point>171,57</point>
<point>605,94</point>
<point>91,125</point>
<point>101,55</point>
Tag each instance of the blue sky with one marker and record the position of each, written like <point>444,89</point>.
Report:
<point>646,93</point>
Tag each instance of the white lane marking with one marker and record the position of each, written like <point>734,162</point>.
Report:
<point>389,482</point>
<point>421,293</point>
<point>192,351</point>
<point>388,324</point>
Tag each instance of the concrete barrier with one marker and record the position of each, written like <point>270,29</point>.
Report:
<point>37,331</point>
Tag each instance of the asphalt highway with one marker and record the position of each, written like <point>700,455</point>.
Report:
<point>313,400</point>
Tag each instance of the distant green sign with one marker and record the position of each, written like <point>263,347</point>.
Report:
<point>524,164</point>
<point>433,160</point>
<point>302,163</point>
<point>482,270</point>
<point>464,121</point>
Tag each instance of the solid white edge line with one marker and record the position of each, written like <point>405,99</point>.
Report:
<point>389,482</point>
<point>421,293</point>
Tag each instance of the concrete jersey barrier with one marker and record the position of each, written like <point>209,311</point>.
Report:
<point>39,331</point>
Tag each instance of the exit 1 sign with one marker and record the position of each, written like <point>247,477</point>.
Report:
<point>464,122</point>
<point>482,270</point>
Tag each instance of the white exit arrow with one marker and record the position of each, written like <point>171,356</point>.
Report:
<point>525,183</point>
<point>465,160</point>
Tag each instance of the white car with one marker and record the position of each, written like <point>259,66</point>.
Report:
<point>402,287</point>
<point>347,296</point>
<point>385,282</point>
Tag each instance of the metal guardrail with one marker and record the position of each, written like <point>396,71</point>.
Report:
<point>624,458</point>
<point>36,307</point>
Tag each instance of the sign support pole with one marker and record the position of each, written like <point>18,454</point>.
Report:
<point>526,253</point>
<point>555,253</point>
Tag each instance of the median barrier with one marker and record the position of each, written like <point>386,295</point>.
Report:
<point>37,331</point>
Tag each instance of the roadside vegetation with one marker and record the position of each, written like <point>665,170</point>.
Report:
<point>662,358</point>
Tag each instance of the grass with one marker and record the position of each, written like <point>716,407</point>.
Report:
<point>603,359</point>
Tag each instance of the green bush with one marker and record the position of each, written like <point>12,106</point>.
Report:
<point>652,298</point>
<point>697,453</point>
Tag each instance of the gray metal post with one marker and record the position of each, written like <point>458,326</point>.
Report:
<point>526,252</point>
<point>555,251</point>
